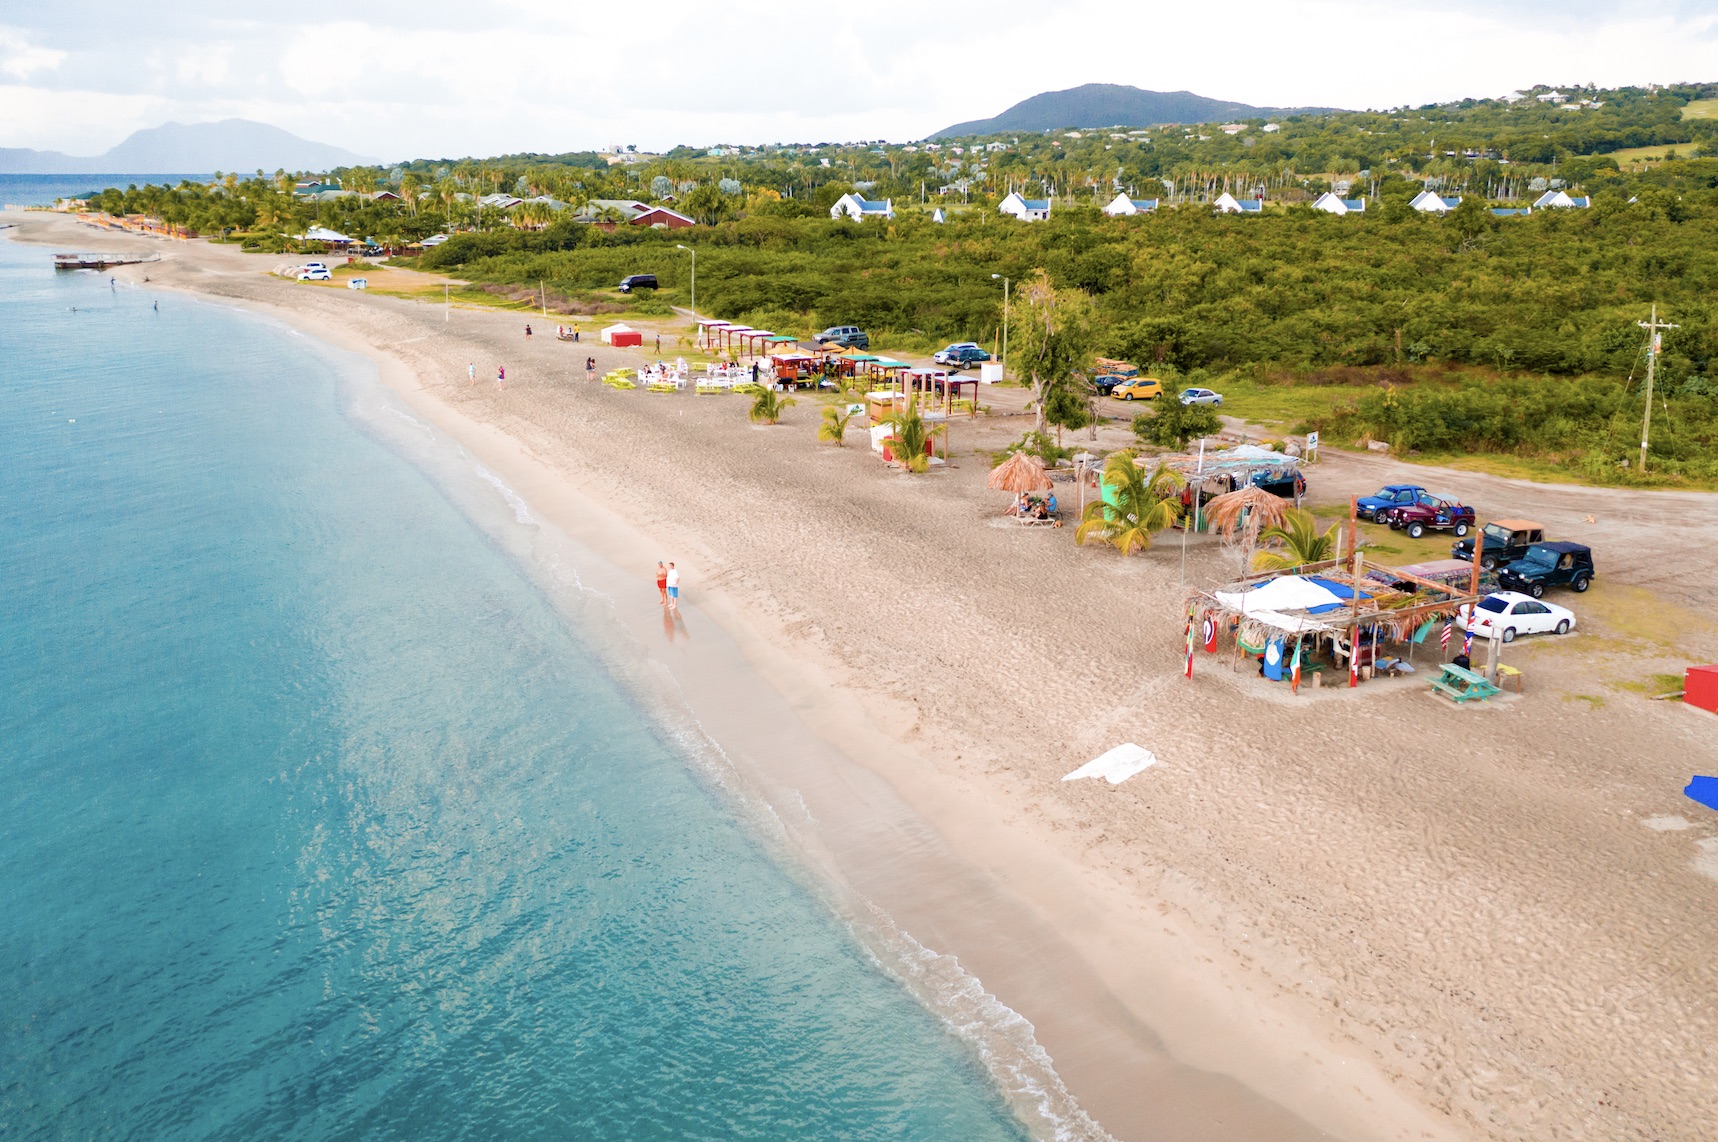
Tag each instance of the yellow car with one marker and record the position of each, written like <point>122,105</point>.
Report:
<point>1140,388</point>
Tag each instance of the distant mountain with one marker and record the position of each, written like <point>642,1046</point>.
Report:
<point>1113,105</point>
<point>174,148</point>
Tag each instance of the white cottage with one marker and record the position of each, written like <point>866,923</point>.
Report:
<point>1331,204</point>
<point>1025,209</point>
<point>858,209</point>
<point>1431,203</point>
<point>1560,199</point>
<point>1123,205</point>
<point>1228,204</point>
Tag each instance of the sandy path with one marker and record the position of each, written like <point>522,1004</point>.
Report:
<point>1465,901</point>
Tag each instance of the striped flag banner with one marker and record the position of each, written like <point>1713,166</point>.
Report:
<point>1449,629</point>
<point>1190,644</point>
<point>1294,670</point>
<point>1467,643</point>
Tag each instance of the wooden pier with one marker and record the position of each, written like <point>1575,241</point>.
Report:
<point>100,261</point>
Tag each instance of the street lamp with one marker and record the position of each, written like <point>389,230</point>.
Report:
<point>694,254</point>
<point>993,277</point>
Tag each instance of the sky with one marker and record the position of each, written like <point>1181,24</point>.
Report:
<point>483,77</point>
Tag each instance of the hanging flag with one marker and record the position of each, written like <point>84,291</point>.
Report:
<point>1189,644</point>
<point>1467,643</point>
<point>1210,632</point>
<point>1444,639</point>
<point>1354,664</point>
<point>1294,669</point>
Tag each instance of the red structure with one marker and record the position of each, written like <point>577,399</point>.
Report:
<point>631,338</point>
<point>1700,687</point>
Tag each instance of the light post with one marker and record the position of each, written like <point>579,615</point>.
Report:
<point>694,254</point>
<point>993,277</point>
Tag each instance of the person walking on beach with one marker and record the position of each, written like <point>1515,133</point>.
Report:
<point>659,344</point>
<point>673,586</point>
<point>527,331</point>
<point>662,581</point>
<point>501,376</point>
<point>471,371</point>
<point>590,368</point>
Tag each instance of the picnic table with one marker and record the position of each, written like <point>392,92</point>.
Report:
<point>1459,684</point>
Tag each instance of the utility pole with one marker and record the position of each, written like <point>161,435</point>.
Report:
<point>993,277</point>
<point>1654,345</point>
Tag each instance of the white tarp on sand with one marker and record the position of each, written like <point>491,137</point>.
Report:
<point>1284,593</point>
<point>1117,765</point>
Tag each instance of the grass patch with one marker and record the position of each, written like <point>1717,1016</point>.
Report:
<point>1277,406</point>
<point>1651,684</point>
<point>1700,109</point>
<point>1592,700</point>
<point>1647,154</point>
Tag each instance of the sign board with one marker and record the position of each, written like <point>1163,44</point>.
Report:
<point>1312,446</point>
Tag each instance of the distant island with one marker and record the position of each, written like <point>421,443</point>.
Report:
<point>229,145</point>
<point>1114,105</point>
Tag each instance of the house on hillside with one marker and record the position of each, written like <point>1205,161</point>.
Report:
<point>1512,211</point>
<point>1122,205</point>
<point>1560,199</point>
<point>500,201</point>
<point>1228,204</point>
<point>1025,209</point>
<point>383,196</point>
<point>610,209</point>
<point>1331,204</point>
<point>858,209</point>
<point>1430,203</point>
<point>661,216</point>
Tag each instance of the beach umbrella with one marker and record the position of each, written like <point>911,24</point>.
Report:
<point>1021,472</point>
<point>1240,515</point>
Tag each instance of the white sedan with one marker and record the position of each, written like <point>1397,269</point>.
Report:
<point>1513,613</point>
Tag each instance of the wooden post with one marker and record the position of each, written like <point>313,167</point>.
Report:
<point>1354,626</point>
<point>1491,656</point>
<point>1478,554</point>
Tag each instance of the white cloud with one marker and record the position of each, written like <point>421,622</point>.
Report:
<point>21,59</point>
<point>501,75</point>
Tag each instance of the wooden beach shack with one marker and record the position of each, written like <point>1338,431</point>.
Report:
<point>1340,614</point>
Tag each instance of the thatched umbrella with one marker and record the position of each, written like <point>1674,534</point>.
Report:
<point>1241,515</point>
<point>1020,473</point>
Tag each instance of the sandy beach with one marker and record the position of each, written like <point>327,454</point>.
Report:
<point>1367,914</point>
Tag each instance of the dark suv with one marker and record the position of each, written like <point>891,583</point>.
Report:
<point>846,336</point>
<point>1549,565</point>
<point>1506,540</point>
<point>961,355</point>
<point>637,281</point>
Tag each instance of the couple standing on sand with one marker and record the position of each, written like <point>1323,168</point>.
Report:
<point>668,583</point>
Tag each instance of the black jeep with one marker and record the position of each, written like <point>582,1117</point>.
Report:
<point>1506,540</point>
<point>1549,565</point>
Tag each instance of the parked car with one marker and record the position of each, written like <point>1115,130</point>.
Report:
<point>1506,540</point>
<point>637,281</point>
<point>318,274</point>
<point>846,336</point>
<point>1430,512</point>
<point>1390,496</point>
<point>314,266</point>
<point>1200,396</point>
<point>1549,565</point>
<point>1138,388</point>
<point>960,355</point>
<point>1513,613</point>
<point>358,283</point>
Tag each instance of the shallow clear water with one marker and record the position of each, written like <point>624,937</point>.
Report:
<point>320,822</point>
<point>46,189</point>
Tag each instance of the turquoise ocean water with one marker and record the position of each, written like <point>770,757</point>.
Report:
<point>46,189</point>
<point>321,822</point>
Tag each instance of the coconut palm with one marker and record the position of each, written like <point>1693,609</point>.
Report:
<point>1135,507</point>
<point>1301,542</point>
<point>834,426</point>
<point>910,436</point>
<point>768,406</point>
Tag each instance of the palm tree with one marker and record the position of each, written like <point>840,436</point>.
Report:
<point>768,406</point>
<point>834,426</point>
<point>911,435</point>
<point>1142,506</point>
<point>1301,541</point>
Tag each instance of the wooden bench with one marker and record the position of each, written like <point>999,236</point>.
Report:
<point>1461,685</point>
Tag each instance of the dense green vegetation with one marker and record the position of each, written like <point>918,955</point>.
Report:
<point>1466,333</point>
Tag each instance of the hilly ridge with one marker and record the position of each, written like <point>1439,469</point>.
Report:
<point>1111,105</point>
<point>228,145</point>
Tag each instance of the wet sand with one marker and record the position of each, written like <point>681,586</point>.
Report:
<point>1367,912</point>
